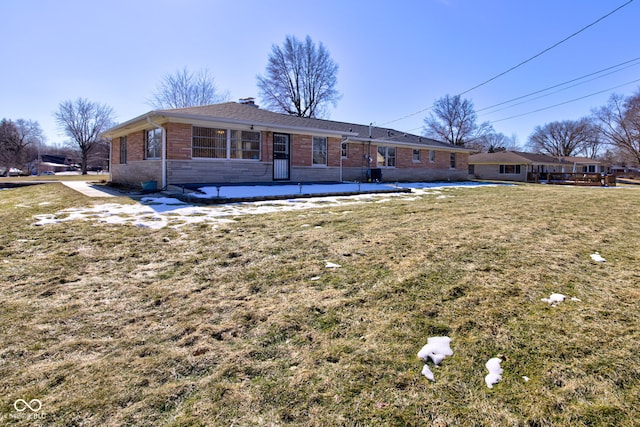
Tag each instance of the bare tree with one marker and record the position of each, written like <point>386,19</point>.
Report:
<point>454,120</point>
<point>83,121</point>
<point>186,89</point>
<point>300,79</point>
<point>595,143</point>
<point>560,139</point>
<point>619,123</point>
<point>15,140</point>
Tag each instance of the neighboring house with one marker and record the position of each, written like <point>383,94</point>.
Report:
<point>241,143</point>
<point>53,163</point>
<point>521,166</point>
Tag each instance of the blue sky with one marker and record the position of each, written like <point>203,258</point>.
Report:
<point>395,58</point>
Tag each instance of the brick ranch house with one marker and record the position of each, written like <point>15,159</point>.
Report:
<point>522,166</point>
<point>241,143</point>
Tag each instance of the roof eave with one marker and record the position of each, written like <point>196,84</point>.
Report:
<point>162,117</point>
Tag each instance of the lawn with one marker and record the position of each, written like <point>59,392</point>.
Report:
<point>242,323</point>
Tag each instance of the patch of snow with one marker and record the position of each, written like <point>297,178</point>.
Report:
<point>554,298</point>
<point>313,279</point>
<point>332,265</point>
<point>597,258</point>
<point>45,219</point>
<point>159,212</point>
<point>162,201</point>
<point>436,349</point>
<point>495,371</point>
<point>525,378</point>
<point>427,373</point>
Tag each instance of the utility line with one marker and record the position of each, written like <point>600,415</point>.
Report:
<point>521,63</point>
<point>547,49</point>
<point>555,105</point>
<point>565,102</point>
<point>557,86</point>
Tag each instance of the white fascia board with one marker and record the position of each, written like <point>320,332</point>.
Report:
<point>387,142</point>
<point>224,122</point>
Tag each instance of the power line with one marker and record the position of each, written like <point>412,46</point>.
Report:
<point>547,49</point>
<point>565,102</point>
<point>630,63</point>
<point>521,63</point>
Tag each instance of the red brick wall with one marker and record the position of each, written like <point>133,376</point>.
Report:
<point>301,150</point>
<point>135,146</point>
<point>355,155</point>
<point>178,141</point>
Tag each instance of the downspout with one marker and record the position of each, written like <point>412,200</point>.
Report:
<point>163,156</point>
<point>110,159</point>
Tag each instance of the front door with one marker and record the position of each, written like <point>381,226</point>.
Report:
<point>281,149</point>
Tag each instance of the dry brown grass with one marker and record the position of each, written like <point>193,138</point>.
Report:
<point>119,325</point>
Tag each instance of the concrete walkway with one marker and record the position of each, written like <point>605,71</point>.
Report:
<point>91,190</point>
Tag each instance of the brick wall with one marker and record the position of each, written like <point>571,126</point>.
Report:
<point>178,141</point>
<point>301,150</point>
<point>181,169</point>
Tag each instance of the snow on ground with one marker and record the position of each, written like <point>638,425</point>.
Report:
<point>597,257</point>
<point>556,298</point>
<point>436,349</point>
<point>160,212</point>
<point>495,371</point>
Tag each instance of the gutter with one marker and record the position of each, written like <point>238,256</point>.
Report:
<point>163,157</point>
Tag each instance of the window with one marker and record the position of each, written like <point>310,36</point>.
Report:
<point>416,155</point>
<point>152,143</point>
<point>319,151</point>
<point>345,150</point>
<point>123,150</point>
<point>509,169</point>
<point>209,142</point>
<point>216,143</point>
<point>589,169</point>
<point>245,144</point>
<point>452,161</point>
<point>432,156</point>
<point>386,156</point>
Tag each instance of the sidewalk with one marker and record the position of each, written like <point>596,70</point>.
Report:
<point>91,190</point>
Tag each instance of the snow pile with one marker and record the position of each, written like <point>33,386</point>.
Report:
<point>436,349</point>
<point>597,258</point>
<point>555,298</point>
<point>495,371</point>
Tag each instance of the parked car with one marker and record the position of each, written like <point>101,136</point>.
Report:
<point>47,173</point>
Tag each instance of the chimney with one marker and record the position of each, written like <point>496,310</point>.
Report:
<point>248,101</point>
